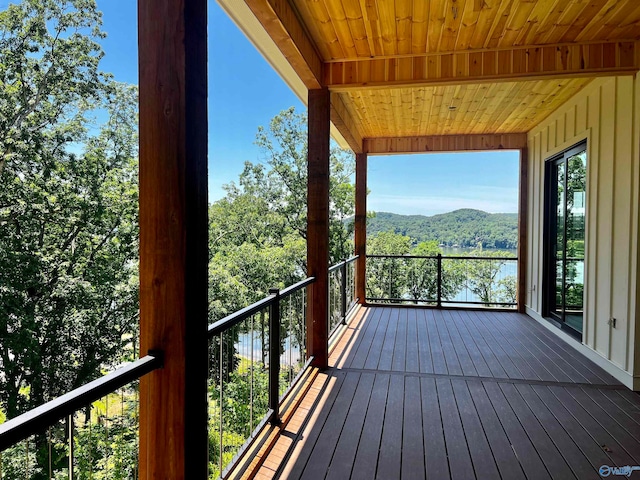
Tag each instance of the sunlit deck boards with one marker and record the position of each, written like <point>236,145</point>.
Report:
<point>448,394</point>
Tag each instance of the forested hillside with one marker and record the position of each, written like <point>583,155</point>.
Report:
<point>465,228</point>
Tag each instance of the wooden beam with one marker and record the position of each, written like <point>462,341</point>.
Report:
<point>281,23</point>
<point>523,199</point>
<point>444,143</point>
<point>172,46</point>
<point>345,124</point>
<point>318,225</point>
<point>537,62</point>
<point>360,227</point>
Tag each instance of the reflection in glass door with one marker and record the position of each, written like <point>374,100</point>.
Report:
<point>565,234</point>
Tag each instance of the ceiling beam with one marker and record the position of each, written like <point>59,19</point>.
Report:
<point>281,23</point>
<point>444,143</point>
<point>492,65</point>
<point>345,124</point>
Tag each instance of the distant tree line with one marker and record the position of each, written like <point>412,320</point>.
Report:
<point>463,228</point>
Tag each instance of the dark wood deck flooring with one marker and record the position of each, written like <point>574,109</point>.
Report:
<point>462,394</point>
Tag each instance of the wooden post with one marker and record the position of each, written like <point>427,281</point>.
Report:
<point>360,227</point>
<point>172,42</point>
<point>318,225</point>
<point>522,231</point>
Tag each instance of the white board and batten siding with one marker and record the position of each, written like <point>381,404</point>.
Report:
<point>607,114</point>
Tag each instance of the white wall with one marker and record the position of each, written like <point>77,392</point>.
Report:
<point>606,113</point>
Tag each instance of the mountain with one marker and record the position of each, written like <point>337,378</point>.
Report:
<point>465,227</point>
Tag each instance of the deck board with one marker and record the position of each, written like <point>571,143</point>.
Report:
<point>450,357</point>
<point>571,453</point>
<point>366,460</point>
<point>457,449</point>
<point>365,341</point>
<point>580,436</point>
<point>412,359</point>
<point>435,346</point>
<point>484,464</point>
<point>499,348</point>
<point>544,446</point>
<point>469,342</point>
<point>398,361</point>
<point>424,345</point>
<point>390,456</point>
<point>346,447</point>
<point>466,363</point>
<point>434,447</point>
<point>325,445</point>
<point>425,393</point>
<point>608,443</point>
<point>412,439</point>
<point>503,453</point>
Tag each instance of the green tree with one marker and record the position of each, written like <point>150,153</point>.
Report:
<point>483,277</point>
<point>422,274</point>
<point>68,206</point>
<point>284,184</point>
<point>386,277</point>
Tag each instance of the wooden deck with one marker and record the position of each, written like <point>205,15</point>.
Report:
<point>439,394</point>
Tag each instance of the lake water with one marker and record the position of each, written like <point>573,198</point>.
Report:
<point>462,251</point>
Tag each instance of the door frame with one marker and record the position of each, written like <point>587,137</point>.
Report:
<point>550,233</point>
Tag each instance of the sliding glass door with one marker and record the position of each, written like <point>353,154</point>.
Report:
<point>564,237</point>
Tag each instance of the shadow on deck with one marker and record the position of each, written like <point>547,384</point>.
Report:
<point>415,393</point>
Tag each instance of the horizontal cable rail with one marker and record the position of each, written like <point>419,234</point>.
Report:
<point>437,280</point>
<point>40,418</point>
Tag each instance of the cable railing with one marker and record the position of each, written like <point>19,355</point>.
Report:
<point>90,432</point>
<point>342,292</point>
<point>439,280</point>
<point>255,357</point>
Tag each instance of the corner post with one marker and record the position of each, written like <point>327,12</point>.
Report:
<point>360,227</point>
<point>318,225</point>
<point>172,41</point>
<point>523,194</point>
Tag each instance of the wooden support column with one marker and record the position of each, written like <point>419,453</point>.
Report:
<point>318,225</point>
<point>523,193</point>
<point>172,46</point>
<point>360,226</point>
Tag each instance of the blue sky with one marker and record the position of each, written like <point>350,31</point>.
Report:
<point>246,93</point>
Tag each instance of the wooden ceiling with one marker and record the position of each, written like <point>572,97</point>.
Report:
<point>351,29</point>
<point>418,68</point>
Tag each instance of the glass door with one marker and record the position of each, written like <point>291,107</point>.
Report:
<point>565,234</point>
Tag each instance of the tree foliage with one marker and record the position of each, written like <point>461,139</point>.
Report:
<point>257,232</point>
<point>465,228</point>
<point>68,206</point>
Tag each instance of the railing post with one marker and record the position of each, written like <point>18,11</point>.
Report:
<point>343,291</point>
<point>439,280</point>
<point>274,357</point>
